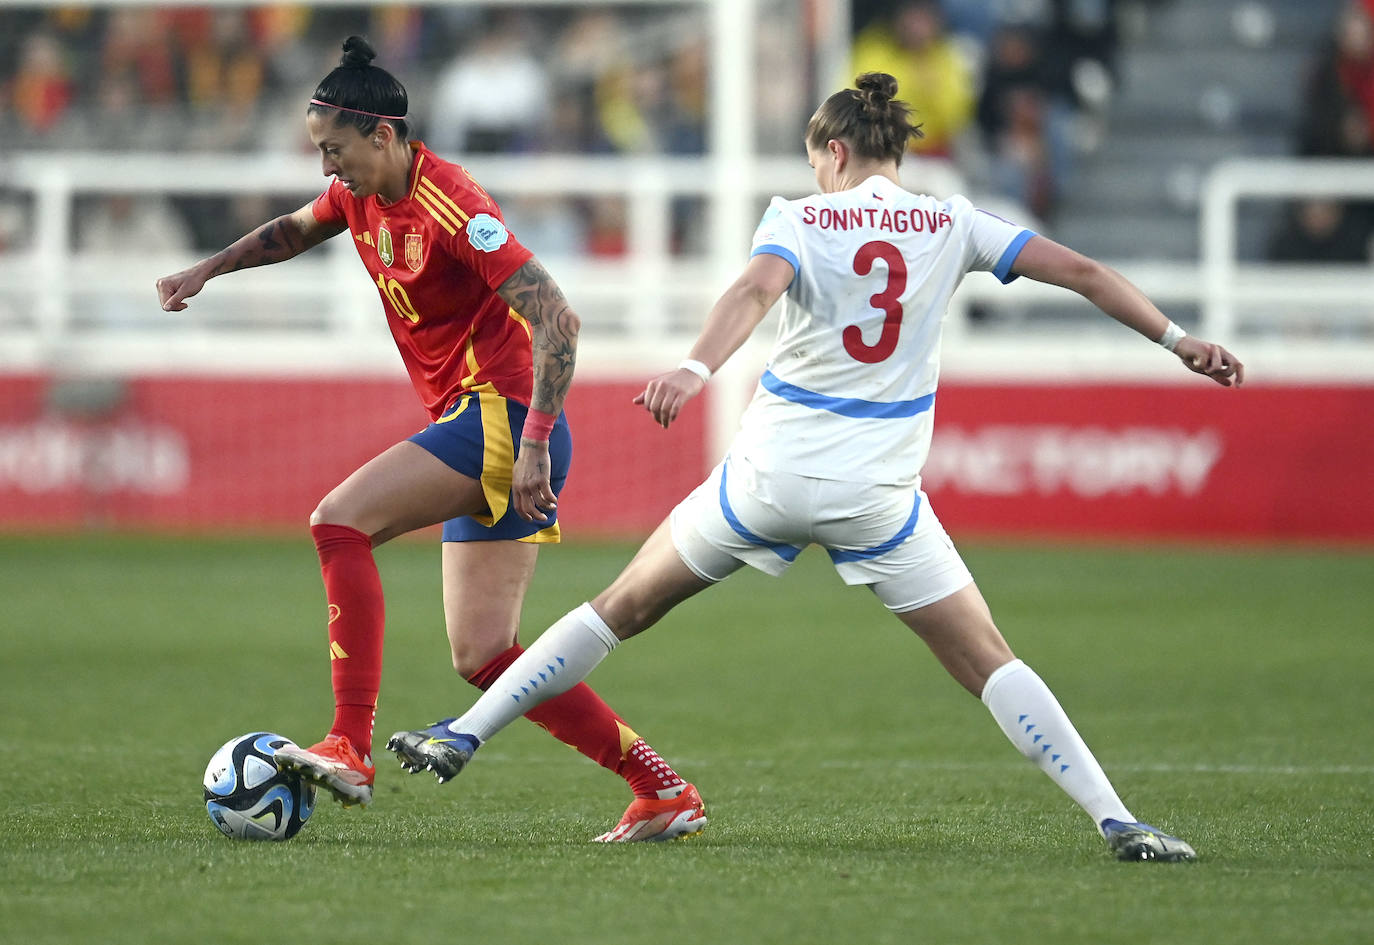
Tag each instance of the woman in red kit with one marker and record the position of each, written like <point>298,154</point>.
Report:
<point>489,341</point>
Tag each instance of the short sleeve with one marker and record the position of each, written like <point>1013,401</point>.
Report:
<point>327,208</point>
<point>475,233</point>
<point>489,249</point>
<point>776,235</point>
<point>995,243</point>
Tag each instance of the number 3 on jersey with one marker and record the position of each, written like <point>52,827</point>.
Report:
<point>886,301</point>
<point>396,294</point>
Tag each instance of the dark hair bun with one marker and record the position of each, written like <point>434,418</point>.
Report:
<point>878,88</point>
<point>357,53</point>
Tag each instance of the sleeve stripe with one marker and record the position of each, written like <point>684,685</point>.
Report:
<point>782,252</point>
<point>443,199</point>
<point>445,221</point>
<point>1003,268</point>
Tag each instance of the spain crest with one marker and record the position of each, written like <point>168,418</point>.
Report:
<point>415,250</point>
<point>384,247</point>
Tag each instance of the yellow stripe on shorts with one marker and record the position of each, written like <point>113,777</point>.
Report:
<point>498,456</point>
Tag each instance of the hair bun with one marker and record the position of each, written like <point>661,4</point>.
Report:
<point>879,87</point>
<point>357,54</point>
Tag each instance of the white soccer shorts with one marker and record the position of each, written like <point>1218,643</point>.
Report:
<point>887,537</point>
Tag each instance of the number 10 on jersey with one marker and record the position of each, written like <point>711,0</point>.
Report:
<point>396,294</point>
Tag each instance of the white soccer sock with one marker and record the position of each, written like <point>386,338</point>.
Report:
<point>1032,718</point>
<point>560,659</point>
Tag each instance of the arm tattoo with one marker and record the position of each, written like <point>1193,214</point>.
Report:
<point>532,293</point>
<point>272,242</point>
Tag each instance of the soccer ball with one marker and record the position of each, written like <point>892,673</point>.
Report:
<point>248,798</point>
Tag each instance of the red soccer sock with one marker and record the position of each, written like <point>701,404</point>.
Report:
<point>357,618</point>
<point>579,718</point>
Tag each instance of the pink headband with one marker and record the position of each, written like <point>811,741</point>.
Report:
<point>357,111</point>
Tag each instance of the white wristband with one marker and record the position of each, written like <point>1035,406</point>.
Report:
<point>1171,337</point>
<point>697,368</point>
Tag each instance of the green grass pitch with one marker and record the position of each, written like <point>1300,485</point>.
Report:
<point>856,794</point>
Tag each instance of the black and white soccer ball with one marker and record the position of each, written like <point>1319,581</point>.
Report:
<point>248,798</point>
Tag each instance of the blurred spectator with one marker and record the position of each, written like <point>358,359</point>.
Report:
<point>136,42</point>
<point>1025,129</point>
<point>494,96</point>
<point>1322,230</point>
<point>1337,120</point>
<point>398,35</point>
<point>627,96</point>
<point>932,74</point>
<point>225,76</point>
<point>41,90</point>
<point>1338,106</point>
<point>682,123</point>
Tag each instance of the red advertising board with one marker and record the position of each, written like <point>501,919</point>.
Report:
<point>1194,461</point>
<point>210,453</point>
<point>1107,461</point>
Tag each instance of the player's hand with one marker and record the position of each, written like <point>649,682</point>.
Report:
<point>665,396</point>
<point>1211,360</point>
<point>530,488</point>
<point>174,290</point>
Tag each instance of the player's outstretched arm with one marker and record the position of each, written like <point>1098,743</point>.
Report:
<point>533,293</point>
<point>1044,260</point>
<point>283,238</point>
<point>732,320</point>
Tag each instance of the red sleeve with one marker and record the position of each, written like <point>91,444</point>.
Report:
<point>481,241</point>
<point>490,249</point>
<point>326,207</point>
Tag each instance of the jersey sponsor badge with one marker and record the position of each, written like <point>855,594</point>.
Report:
<point>487,233</point>
<point>415,251</point>
<point>384,247</point>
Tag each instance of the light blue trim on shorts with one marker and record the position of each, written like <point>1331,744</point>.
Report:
<point>786,552</point>
<point>903,533</point>
<point>846,406</point>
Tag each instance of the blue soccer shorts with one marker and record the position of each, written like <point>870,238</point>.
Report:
<point>479,436</point>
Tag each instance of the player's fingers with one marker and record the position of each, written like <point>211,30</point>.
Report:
<point>670,408</point>
<point>528,509</point>
<point>547,500</point>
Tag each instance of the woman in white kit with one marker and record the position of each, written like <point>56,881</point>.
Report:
<point>830,449</point>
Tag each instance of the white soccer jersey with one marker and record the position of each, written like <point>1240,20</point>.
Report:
<point>849,391</point>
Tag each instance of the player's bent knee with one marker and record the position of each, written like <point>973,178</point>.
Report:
<point>332,511</point>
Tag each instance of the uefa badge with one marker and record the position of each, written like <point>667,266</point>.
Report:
<point>384,247</point>
<point>487,233</point>
<point>415,251</point>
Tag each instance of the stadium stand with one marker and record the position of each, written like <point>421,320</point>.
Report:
<point>1200,81</point>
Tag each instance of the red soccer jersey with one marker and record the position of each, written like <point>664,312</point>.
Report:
<point>437,255</point>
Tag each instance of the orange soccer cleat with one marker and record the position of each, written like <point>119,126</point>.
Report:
<point>653,819</point>
<point>333,764</point>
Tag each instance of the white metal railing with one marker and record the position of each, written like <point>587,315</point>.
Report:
<point>1228,286</point>
<point>324,298</point>
<point>321,314</point>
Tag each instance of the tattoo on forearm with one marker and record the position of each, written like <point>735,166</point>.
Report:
<point>532,292</point>
<point>272,242</point>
